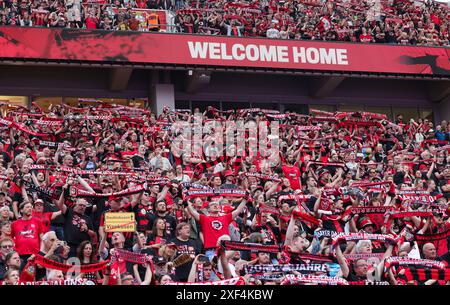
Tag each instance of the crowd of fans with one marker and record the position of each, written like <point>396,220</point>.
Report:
<point>352,199</point>
<point>403,22</point>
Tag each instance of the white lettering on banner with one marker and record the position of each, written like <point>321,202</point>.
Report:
<point>321,55</point>
<point>198,50</point>
<point>263,53</point>
<point>312,55</point>
<point>269,54</point>
<point>214,50</point>
<point>282,53</point>
<point>252,52</point>
<point>224,52</point>
<point>234,50</point>
<point>342,56</point>
<point>330,57</point>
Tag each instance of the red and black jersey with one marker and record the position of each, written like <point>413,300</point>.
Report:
<point>333,223</point>
<point>142,213</point>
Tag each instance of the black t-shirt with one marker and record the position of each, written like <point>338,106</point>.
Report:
<point>190,247</point>
<point>97,214</point>
<point>229,186</point>
<point>351,277</point>
<point>72,226</point>
<point>155,239</point>
<point>141,269</point>
<point>399,177</point>
<point>270,233</point>
<point>444,258</point>
<point>40,272</point>
<point>2,269</point>
<point>6,158</point>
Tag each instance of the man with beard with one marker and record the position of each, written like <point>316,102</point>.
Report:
<point>162,212</point>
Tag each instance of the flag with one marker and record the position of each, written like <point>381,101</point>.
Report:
<point>324,24</point>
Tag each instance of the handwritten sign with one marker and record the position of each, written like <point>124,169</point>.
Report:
<point>120,222</point>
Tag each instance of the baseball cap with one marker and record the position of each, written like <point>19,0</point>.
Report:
<point>38,201</point>
<point>365,222</point>
<point>171,244</point>
<point>228,173</point>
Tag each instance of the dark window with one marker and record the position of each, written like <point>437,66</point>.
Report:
<point>182,105</point>
<point>202,105</point>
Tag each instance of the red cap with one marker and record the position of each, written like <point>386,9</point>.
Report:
<point>171,244</point>
<point>113,198</point>
<point>228,173</point>
<point>365,222</point>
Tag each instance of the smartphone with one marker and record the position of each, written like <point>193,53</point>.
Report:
<point>203,259</point>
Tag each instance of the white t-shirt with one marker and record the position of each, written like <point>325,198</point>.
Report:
<point>273,33</point>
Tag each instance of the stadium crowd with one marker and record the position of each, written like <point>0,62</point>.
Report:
<point>371,21</point>
<point>350,199</point>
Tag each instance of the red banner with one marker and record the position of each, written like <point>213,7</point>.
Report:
<point>142,47</point>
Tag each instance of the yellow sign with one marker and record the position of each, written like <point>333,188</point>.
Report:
<point>120,222</point>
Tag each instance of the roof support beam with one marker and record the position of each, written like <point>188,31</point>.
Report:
<point>321,87</point>
<point>119,78</point>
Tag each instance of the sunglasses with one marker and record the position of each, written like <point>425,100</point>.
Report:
<point>7,246</point>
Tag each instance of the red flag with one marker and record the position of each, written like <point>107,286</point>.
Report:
<point>28,273</point>
<point>324,24</point>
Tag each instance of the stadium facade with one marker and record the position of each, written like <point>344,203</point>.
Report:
<point>188,71</point>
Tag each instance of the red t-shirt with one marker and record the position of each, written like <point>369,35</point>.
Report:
<point>45,219</point>
<point>292,173</point>
<point>365,38</point>
<point>117,268</point>
<point>214,227</point>
<point>26,234</point>
<point>91,23</point>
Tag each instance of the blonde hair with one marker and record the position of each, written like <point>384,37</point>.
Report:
<point>162,252</point>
